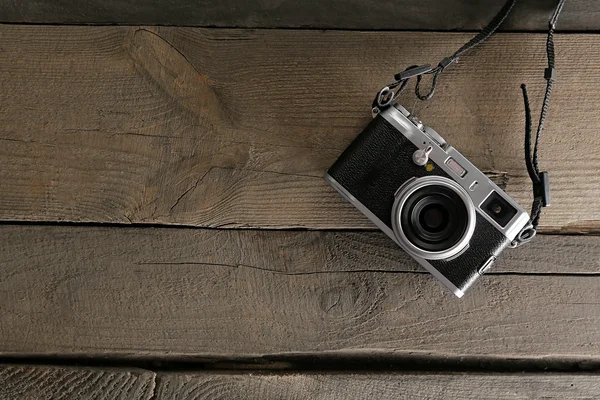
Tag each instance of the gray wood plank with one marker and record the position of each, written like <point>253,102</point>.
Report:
<point>345,14</point>
<point>177,292</point>
<point>348,386</point>
<point>26,382</point>
<point>235,128</point>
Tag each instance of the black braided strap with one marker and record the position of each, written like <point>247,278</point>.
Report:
<point>481,37</point>
<point>540,181</point>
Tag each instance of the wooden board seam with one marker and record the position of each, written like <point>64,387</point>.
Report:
<point>373,361</point>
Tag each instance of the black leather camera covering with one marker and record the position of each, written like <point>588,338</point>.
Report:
<point>377,163</point>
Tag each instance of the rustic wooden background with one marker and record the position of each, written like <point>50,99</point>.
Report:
<point>166,233</point>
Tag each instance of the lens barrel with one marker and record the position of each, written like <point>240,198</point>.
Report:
<point>433,217</point>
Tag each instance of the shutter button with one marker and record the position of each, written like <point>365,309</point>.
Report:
<point>421,156</point>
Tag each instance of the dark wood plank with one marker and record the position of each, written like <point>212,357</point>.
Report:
<point>346,14</point>
<point>25,382</point>
<point>378,386</point>
<point>161,292</point>
<point>235,128</point>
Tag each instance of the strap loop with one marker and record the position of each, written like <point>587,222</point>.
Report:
<point>431,92</point>
<point>524,236</point>
<point>385,97</point>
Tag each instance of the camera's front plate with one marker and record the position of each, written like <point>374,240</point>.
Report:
<point>460,170</point>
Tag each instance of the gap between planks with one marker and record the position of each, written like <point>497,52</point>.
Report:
<point>449,15</point>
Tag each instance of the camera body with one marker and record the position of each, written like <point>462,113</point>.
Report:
<point>427,197</point>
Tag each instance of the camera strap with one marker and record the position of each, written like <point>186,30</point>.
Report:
<point>540,182</point>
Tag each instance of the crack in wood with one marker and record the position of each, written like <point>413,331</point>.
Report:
<point>363,271</point>
<point>111,133</point>
<point>234,266</point>
<point>194,186</point>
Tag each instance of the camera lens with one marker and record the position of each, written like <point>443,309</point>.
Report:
<point>434,218</point>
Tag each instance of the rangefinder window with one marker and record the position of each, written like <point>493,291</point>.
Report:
<point>499,209</point>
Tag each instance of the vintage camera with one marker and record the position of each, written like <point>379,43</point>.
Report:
<point>428,198</point>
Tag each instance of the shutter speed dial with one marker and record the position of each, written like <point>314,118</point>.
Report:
<point>433,135</point>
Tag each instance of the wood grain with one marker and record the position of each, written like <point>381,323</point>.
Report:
<point>24,382</point>
<point>235,128</point>
<point>578,15</point>
<point>378,386</point>
<point>206,293</point>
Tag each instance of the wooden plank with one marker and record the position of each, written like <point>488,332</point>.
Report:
<point>23,382</point>
<point>235,128</point>
<point>206,293</point>
<point>378,386</point>
<point>578,15</point>
<point>20,382</point>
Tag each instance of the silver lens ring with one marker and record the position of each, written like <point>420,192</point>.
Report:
<point>405,193</point>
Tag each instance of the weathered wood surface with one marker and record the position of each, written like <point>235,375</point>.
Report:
<point>131,291</point>
<point>234,128</point>
<point>378,386</point>
<point>23,382</point>
<point>346,14</point>
<point>19,382</point>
